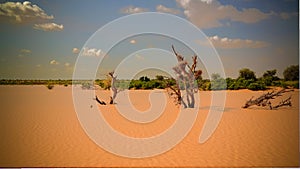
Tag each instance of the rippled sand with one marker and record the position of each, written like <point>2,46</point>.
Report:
<point>39,128</point>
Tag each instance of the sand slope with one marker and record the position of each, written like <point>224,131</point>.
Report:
<point>39,128</point>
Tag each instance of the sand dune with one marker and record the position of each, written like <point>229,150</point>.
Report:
<point>39,128</point>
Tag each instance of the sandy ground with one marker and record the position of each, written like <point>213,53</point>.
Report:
<point>39,128</point>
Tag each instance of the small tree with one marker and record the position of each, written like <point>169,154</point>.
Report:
<point>270,73</point>
<point>160,77</point>
<point>291,73</point>
<point>247,74</point>
<point>186,77</point>
<point>113,87</point>
<point>144,79</point>
<point>269,77</point>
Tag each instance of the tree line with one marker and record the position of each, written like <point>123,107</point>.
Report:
<point>247,79</point>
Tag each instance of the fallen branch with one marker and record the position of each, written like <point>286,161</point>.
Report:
<point>286,102</point>
<point>264,100</point>
<point>99,101</point>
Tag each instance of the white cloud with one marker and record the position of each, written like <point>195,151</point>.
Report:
<point>210,13</point>
<point>23,12</point>
<point>67,64</point>
<point>286,16</point>
<point>25,51</point>
<point>161,8</point>
<point>227,43</point>
<point>207,1</point>
<point>132,10</point>
<point>75,50</point>
<point>54,62</point>
<point>133,41</point>
<point>92,52</point>
<point>48,27</point>
<point>139,57</point>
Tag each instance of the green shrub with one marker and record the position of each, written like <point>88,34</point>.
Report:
<point>291,73</point>
<point>247,74</point>
<point>256,86</point>
<point>204,84</point>
<point>293,84</point>
<point>218,84</point>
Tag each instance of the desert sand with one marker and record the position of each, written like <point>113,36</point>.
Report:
<point>39,128</point>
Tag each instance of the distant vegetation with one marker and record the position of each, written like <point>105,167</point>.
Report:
<point>246,80</point>
<point>35,82</point>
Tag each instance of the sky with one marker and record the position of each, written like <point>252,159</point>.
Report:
<point>43,39</point>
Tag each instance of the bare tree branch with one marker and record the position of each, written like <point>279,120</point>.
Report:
<point>264,100</point>
<point>286,102</point>
<point>185,78</point>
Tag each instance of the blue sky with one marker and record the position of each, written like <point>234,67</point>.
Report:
<point>41,39</point>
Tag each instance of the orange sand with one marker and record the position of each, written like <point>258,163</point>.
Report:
<point>39,128</point>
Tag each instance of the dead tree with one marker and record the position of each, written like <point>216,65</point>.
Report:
<point>113,87</point>
<point>185,80</point>
<point>264,100</point>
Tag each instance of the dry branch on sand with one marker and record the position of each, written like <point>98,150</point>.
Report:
<point>264,100</point>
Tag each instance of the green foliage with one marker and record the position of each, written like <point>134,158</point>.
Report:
<point>292,84</point>
<point>204,84</point>
<point>269,77</point>
<point>122,84</point>
<point>246,80</point>
<point>151,84</point>
<point>247,74</point>
<point>256,86</point>
<point>270,73</point>
<point>230,83</point>
<point>87,85</point>
<point>291,73</point>
<point>35,82</point>
<point>159,77</point>
<point>144,79</point>
<point>217,83</point>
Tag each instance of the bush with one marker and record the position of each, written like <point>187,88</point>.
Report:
<point>204,84</point>
<point>87,85</point>
<point>144,79</point>
<point>247,74</point>
<point>256,86</point>
<point>293,84</point>
<point>217,83</point>
<point>159,77</point>
<point>291,73</point>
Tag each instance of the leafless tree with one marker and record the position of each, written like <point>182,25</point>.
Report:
<point>113,87</point>
<point>185,81</point>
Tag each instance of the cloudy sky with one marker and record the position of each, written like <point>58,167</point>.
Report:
<point>42,39</point>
